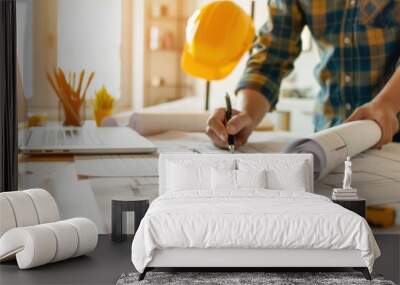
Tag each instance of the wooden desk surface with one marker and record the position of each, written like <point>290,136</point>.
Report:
<point>45,158</point>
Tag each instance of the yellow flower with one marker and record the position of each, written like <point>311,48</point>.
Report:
<point>103,99</point>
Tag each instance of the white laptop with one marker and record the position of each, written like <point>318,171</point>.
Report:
<point>75,140</point>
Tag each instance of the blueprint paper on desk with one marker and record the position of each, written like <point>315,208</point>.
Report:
<point>116,165</point>
<point>181,142</point>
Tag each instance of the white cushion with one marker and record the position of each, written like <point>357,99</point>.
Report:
<point>289,175</point>
<point>45,205</point>
<point>40,244</point>
<point>223,179</point>
<point>23,208</point>
<point>7,218</point>
<point>251,178</point>
<point>87,232</point>
<point>27,208</point>
<point>248,161</point>
<point>67,237</point>
<point>230,180</point>
<point>32,246</point>
<point>31,233</point>
<point>192,175</point>
<point>183,178</point>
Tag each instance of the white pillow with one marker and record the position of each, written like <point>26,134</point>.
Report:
<point>251,178</point>
<point>293,177</point>
<point>183,175</point>
<point>222,179</point>
<point>290,175</point>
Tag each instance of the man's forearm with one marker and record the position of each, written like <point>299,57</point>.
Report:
<point>383,109</point>
<point>254,104</point>
<point>390,94</point>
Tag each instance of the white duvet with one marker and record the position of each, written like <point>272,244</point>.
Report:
<point>250,219</point>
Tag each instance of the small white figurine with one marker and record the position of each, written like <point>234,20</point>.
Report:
<point>346,192</point>
<point>347,174</point>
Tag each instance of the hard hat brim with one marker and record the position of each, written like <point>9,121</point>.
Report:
<point>193,67</point>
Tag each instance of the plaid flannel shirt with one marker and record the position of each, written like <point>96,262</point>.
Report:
<point>359,43</point>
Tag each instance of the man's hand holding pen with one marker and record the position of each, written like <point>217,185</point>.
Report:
<point>252,105</point>
<point>241,125</point>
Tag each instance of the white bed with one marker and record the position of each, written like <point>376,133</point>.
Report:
<point>248,227</point>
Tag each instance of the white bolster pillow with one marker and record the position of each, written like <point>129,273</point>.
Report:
<point>32,246</point>
<point>87,235</point>
<point>40,244</point>
<point>24,212</point>
<point>45,205</point>
<point>26,208</point>
<point>7,219</point>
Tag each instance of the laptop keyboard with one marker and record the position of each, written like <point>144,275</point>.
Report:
<point>82,140</point>
<point>68,137</point>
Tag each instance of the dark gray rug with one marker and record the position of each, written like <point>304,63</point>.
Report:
<point>243,278</point>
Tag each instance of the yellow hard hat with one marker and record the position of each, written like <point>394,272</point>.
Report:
<point>217,36</point>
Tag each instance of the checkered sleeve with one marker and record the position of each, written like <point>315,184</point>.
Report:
<point>275,49</point>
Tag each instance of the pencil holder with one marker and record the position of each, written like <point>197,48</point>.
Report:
<point>72,117</point>
<point>71,94</point>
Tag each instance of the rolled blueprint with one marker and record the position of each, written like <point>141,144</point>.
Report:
<point>154,123</point>
<point>330,147</point>
<point>149,123</point>
<point>117,120</point>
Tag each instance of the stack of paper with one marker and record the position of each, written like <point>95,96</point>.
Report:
<point>344,194</point>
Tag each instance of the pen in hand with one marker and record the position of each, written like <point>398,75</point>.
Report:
<point>228,116</point>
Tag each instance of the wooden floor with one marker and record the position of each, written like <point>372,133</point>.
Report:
<point>103,266</point>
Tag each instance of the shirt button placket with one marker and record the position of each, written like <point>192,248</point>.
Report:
<point>347,53</point>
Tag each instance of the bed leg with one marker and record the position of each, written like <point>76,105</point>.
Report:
<point>142,275</point>
<point>365,272</point>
